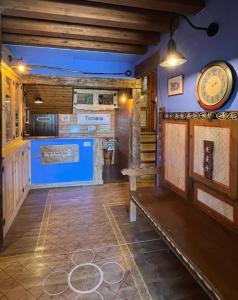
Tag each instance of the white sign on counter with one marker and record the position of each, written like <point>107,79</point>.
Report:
<point>94,119</point>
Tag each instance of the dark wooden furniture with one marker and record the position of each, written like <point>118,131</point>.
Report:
<point>190,209</point>
<point>207,248</point>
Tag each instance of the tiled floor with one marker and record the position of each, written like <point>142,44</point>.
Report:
<point>39,251</point>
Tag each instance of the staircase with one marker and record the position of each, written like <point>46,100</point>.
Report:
<point>148,152</point>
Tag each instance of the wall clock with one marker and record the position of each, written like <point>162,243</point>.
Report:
<point>214,85</point>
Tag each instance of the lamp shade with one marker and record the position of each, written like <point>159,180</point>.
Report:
<point>172,58</point>
<point>38,100</point>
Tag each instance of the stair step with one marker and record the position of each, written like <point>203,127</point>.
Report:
<point>148,147</point>
<point>147,164</point>
<point>148,157</point>
<point>148,138</point>
<point>148,132</point>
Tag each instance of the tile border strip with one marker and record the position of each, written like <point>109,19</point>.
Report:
<point>220,115</point>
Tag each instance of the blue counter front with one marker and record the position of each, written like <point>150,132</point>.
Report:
<point>61,161</point>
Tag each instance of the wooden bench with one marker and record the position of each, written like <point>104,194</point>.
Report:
<point>208,249</point>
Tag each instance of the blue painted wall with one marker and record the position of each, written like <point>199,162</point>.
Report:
<point>199,50</point>
<point>63,172</point>
<point>88,61</point>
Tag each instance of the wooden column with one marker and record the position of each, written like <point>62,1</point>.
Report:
<point>1,112</point>
<point>135,129</point>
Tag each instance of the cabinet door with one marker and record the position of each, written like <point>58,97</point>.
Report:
<point>26,169</point>
<point>8,190</point>
<point>18,178</point>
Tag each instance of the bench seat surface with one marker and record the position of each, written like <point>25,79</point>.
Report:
<point>209,246</point>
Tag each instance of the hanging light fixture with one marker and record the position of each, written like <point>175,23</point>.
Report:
<point>20,66</point>
<point>38,100</point>
<point>173,57</point>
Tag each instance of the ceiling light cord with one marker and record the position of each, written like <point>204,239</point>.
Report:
<point>127,73</point>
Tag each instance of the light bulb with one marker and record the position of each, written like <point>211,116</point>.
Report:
<point>21,67</point>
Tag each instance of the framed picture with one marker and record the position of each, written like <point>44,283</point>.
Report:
<point>176,85</point>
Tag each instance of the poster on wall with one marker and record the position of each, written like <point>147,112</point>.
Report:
<point>74,128</point>
<point>91,129</point>
<point>59,154</point>
<point>65,118</point>
<point>94,119</point>
<point>104,128</point>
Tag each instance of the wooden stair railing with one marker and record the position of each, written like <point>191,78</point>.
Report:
<point>133,173</point>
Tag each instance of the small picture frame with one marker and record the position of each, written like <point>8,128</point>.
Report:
<point>176,85</point>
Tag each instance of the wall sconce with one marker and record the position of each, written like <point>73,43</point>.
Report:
<point>21,67</point>
<point>123,98</point>
<point>38,100</point>
<point>173,57</point>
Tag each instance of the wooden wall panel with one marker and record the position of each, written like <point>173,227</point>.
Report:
<point>122,131</point>
<point>69,127</point>
<point>43,125</point>
<point>148,65</point>
<point>56,99</point>
<point>175,155</point>
<point>224,134</point>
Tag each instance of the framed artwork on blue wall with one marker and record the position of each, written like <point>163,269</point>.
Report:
<point>176,85</point>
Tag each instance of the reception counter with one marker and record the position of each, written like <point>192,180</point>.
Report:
<point>66,162</point>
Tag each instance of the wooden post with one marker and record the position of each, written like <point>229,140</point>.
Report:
<point>135,129</point>
<point>1,112</point>
<point>132,207</point>
<point>134,161</point>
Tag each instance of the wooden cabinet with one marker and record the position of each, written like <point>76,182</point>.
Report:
<point>12,105</point>
<point>16,174</point>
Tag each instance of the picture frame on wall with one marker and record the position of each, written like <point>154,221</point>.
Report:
<point>176,85</point>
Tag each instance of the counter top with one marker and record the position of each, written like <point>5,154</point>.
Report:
<point>14,146</point>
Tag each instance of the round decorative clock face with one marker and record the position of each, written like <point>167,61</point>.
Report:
<point>214,85</point>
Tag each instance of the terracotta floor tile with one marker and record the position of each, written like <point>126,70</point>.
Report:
<point>81,218</point>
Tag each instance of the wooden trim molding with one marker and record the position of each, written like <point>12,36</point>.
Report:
<point>231,188</point>
<point>216,205</point>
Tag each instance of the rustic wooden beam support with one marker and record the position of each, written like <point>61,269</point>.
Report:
<point>87,14</point>
<point>135,129</point>
<point>16,39</point>
<point>1,112</point>
<point>77,31</point>
<point>175,6</point>
<point>83,82</point>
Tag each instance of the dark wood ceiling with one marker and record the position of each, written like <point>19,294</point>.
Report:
<point>101,25</point>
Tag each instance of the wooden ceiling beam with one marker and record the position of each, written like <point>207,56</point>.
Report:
<point>77,31</point>
<point>86,14</point>
<point>29,40</point>
<point>174,6</point>
<point>83,82</point>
